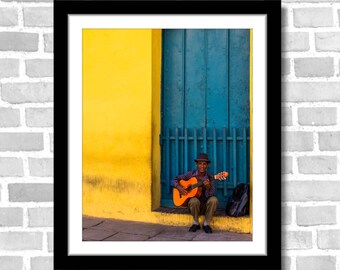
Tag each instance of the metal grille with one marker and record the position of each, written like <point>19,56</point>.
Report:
<point>228,150</point>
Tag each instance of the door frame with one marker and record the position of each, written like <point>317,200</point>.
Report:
<point>157,45</point>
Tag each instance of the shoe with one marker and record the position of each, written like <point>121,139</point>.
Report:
<point>194,228</point>
<point>207,229</point>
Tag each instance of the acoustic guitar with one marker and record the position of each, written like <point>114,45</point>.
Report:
<point>194,189</point>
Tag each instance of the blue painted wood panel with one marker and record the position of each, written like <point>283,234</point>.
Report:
<point>205,105</point>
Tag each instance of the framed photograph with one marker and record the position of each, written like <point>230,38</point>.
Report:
<point>144,92</point>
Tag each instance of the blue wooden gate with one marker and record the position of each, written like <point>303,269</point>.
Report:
<point>205,106</point>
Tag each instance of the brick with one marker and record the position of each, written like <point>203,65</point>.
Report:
<point>8,16</point>
<point>50,241</point>
<point>286,165</point>
<point>9,68</point>
<point>11,263</point>
<point>39,68</point>
<point>48,42</point>
<point>30,192</point>
<point>329,239</point>
<point>35,1</point>
<point>295,42</point>
<point>316,262</point>
<point>286,263</point>
<point>329,42</point>
<point>317,164</point>
<point>285,66</point>
<point>21,141</point>
<point>39,117</point>
<point>286,218</point>
<point>27,92</point>
<point>313,17</point>
<point>314,67</point>
<point>311,91</point>
<point>11,216</point>
<point>51,142</point>
<point>40,217</point>
<point>297,240</point>
<point>20,240</point>
<point>304,191</point>
<point>42,263</point>
<point>9,117</point>
<point>284,16</point>
<point>329,141</point>
<point>311,1</point>
<point>41,167</point>
<point>297,141</point>
<point>19,41</point>
<point>315,215</point>
<point>11,167</point>
<point>287,118</point>
<point>317,116</point>
<point>38,16</point>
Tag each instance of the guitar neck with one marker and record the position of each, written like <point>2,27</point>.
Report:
<point>200,183</point>
<point>197,185</point>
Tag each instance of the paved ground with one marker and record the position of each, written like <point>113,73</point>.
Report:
<point>100,229</point>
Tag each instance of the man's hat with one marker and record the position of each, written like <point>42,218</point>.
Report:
<point>202,157</point>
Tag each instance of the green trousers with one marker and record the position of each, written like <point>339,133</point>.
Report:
<point>208,209</point>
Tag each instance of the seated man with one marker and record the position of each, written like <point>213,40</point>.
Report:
<point>206,203</point>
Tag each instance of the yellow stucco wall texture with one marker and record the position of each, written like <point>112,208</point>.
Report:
<point>117,122</point>
<point>121,126</point>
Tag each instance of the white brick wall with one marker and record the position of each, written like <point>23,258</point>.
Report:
<point>310,126</point>
<point>26,135</point>
<point>311,135</point>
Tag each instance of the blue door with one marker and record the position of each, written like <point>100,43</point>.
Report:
<point>205,106</point>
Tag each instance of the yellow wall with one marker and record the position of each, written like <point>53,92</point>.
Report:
<point>121,127</point>
<point>156,101</point>
<point>117,84</point>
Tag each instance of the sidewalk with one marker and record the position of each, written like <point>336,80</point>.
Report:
<point>104,229</point>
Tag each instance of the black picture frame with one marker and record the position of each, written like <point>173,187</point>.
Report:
<point>62,260</point>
